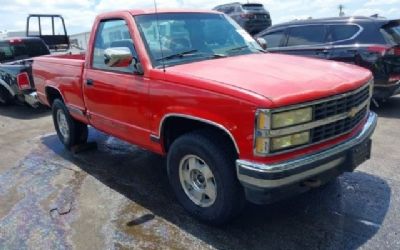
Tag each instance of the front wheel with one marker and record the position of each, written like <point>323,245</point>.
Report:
<point>203,177</point>
<point>70,131</point>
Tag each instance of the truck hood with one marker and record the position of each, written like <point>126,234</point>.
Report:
<point>283,79</point>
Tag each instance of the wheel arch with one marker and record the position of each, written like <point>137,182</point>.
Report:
<point>195,123</point>
<point>7,87</point>
<point>52,93</point>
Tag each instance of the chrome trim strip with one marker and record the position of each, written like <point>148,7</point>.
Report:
<point>366,132</point>
<point>75,110</point>
<point>190,117</point>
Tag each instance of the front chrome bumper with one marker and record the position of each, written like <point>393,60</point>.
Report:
<point>271,176</point>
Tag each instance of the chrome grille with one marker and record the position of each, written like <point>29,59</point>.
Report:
<point>338,106</point>
<point>337,128</point>
<point>332,117</point>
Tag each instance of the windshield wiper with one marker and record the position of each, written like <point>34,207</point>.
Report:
<point>238,48</point>
<point>216,56</point>
<point>178,55</point>
<point>244,47</point>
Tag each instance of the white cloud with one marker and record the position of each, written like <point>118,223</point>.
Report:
<point>79,14</point>
<point>380,2</point>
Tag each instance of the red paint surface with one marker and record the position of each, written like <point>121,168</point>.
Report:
<point>225,91</point>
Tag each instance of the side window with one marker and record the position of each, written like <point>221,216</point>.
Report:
<point>306,35</point>
<point>5,52</point>
<point>342,32</point>
<point>112,34</point>
<point>229,10</point>
<point>274,39</point>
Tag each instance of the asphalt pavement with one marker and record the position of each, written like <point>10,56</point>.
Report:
<point>117,197</point>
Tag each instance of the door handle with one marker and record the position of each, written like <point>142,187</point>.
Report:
<point>355,51</point>
<point>89,82</point>
<point>325,51</point>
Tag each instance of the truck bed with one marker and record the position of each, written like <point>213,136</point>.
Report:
<point>56,70</point>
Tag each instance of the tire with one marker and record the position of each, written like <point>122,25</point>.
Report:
<point>205,149</point>
<point>5,97</point>
<point>70,131</point>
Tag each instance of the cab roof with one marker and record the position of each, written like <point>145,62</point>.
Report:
<point>137,12</point>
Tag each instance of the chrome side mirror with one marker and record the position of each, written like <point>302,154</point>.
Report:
<point>118,57</point>
<point>262,42</point>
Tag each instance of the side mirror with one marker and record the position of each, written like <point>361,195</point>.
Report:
<point>118,57</point>
<point>262,42</point>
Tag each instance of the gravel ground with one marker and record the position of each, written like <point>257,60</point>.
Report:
<point>117,197</point>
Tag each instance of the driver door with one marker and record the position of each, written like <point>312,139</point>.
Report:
<point>116,97</point>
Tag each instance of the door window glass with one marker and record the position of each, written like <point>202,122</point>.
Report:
<point>343,32</point>
<point>274,39</point>
<point>306,35</point>
<point>112,34</point>
<point>392,34</point>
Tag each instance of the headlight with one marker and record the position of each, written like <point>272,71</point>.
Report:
<point>293,117</point>
<point>264,143</point>
<point>288,141</point>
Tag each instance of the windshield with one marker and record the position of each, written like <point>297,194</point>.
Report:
<point>188,37</point>
<point>392,34</point>
<point>19,50</point>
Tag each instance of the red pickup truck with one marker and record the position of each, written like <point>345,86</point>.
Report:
<point>235,122</point>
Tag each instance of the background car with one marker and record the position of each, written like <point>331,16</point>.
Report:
<point>251,16</point>
<point>16,82</point>
<point>373,43</point>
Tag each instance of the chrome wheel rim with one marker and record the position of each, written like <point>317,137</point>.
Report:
<point>198,181</point>
<point>63,124</point>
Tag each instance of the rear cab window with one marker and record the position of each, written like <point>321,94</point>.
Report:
<point>306,35</point>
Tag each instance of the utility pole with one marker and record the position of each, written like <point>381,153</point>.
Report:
<point>341,8</point>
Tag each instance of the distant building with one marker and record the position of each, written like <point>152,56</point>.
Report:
<point>16,34</point>
<point>8,34</point>
<point>80,40</point>
<point>3,34</point>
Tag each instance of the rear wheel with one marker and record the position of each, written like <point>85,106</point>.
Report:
<point>5,97</point>
<point>70,131</point>
<point>203,177</point>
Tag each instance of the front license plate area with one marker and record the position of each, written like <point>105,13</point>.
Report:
<point>360,153</point>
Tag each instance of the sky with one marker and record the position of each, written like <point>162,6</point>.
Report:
<point>79,14</point>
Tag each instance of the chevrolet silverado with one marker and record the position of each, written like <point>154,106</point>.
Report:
<point>235,123</point>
